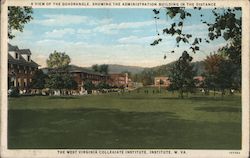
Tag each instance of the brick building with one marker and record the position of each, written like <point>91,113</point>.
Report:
<point>119,79</point>
<point>20,68</point>
<point>161,81</point>
<point>80,75</point>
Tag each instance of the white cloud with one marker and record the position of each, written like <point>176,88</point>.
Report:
<point>195,27</point>
<point>59,33</point>
<point>113,28</point>
<point>26,34</point>
<point>61,20</point>
<point>136,40</point>
<point>65,20</point>
<point>84,31</point>
<point>125,53</point>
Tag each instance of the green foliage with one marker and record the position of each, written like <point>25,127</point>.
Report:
<point>182,75</point>
<point>59,81</point>
<point>226,24</point>
<point>89,86</point>
<point>17,18</point>
<point>55,81</point>
<point>103,85</point>
<point>146,77</point>
<point>225,76</point>
<point>103,69</point>
<point>58,60</point>
<point>221,73</point>
<point>95,67</point>
<point>13,92</point>
<point>38,80</point>
<point>69,82</point>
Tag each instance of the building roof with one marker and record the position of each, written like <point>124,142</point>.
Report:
<point>21,60</point>
<point>24,51</point>
<point>76,69</point>
<point>12,48</point>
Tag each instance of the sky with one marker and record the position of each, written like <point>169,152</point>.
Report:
<point>108,36</point>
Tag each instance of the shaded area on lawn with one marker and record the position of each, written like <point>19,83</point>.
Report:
<point>95,128</point>
<point>219,109</point>
<point>62,97</point>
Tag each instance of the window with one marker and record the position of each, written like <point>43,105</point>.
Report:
<point>28,57</point>
<point>16,55</point>
<point>19,82</point>
<point>25,82</point>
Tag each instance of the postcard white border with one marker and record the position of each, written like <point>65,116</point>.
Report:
<point>188,153</point>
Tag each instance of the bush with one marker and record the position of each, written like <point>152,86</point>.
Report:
<point>13,92</point>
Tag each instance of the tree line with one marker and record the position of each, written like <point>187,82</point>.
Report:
<point>223,68</point>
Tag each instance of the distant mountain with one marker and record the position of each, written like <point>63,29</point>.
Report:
<point>163,70</point>
<point>199,67</point>
<point>115,68</point>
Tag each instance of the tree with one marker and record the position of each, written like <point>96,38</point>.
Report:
<point>61,82</point>
<point>212,70</point>
<point>147,78</point>
<point>226,76</point>
<point>69,82</point>
<point>89,86</point>
<point>103,85</point>
<point>226,24</point>
<point>59,77</point>
<point>220,73</point>
<point>18,17</point>
<point>38,80</point>
<point>95,67</point>
<point>182,75</point>
<point>103,69</point>
<point>55,81</point>
<point>58,60</point>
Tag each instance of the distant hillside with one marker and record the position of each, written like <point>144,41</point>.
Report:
<point>115,68</point>
<point>163,70</point>
<point>199,67</point>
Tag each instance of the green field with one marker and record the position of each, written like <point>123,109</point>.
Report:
<point>129,120</point>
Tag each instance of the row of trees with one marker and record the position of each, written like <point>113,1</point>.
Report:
<point>220,74</point>
<point>222,70</point>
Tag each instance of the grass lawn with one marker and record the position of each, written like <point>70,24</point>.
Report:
<point>130,120</point>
